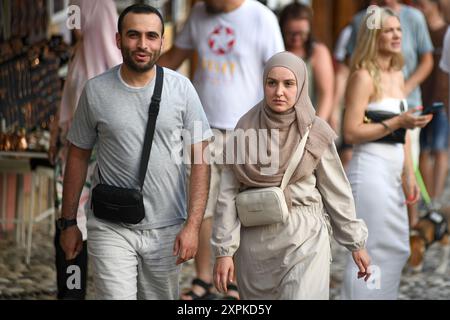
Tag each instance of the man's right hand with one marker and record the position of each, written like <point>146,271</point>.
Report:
<point>52,150</point>
<point>71,242</point>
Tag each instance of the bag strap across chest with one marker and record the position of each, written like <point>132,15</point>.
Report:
<point>153,112</point>
<point>295,160</point>
<point>151,124</point>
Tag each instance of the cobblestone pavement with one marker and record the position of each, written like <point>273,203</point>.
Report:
<point>427,285</point>
<point>37,281</point>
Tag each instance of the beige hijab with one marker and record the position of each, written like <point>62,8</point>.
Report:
<point>292,125</point>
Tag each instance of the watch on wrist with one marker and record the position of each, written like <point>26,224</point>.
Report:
<point>64,223</point>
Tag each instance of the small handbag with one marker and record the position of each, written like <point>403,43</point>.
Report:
<point>397,136</point>
<point>263,206</point>
<point>126,205</point>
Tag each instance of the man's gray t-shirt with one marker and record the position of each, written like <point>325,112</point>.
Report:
<point>416,41</point>
<point>113,116</point>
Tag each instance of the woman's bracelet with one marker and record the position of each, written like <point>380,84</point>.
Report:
<point>387,127</point>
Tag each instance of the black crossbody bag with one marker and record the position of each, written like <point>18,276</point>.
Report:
<point>397,136</point>
<point>125,205</point>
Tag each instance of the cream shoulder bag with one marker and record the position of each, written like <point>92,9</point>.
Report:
<point>262,206</point>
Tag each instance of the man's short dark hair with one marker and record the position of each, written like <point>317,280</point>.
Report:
<point>139,8</point>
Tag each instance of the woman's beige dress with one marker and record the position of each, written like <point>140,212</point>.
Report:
<point>290,260</point>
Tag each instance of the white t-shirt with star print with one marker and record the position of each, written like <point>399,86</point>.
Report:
<point>232,48</point>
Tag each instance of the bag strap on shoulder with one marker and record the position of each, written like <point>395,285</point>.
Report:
<point>151,124</point>
<point>295,160</point>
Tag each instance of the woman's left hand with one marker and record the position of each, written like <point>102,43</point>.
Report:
<point>362,260</point>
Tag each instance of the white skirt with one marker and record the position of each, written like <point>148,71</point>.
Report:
<point>375,176</point>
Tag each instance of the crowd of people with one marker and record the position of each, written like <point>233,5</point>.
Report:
<point>360,188</point>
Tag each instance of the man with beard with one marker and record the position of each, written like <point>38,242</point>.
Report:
<point>142,260</point>
<point>233,39</point>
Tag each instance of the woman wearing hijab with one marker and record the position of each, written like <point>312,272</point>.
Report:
<point>95,52</point>
<point>380,171</point>
<point>287,260</point>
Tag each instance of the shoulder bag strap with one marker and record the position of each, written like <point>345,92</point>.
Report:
<point>295,160</point>
<point>151,124</point>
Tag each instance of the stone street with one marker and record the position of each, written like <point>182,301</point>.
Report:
<point>37,281</point>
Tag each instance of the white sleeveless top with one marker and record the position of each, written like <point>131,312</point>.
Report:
<point>394,105</point>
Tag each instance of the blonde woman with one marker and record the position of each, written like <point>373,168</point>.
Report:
<point>290,259</point>
<point>380,171</point>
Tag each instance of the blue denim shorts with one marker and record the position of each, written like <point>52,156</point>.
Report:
<point>434,137</point>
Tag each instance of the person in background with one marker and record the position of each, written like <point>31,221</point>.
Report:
<point>296,22</point>
<point>341,57</point>
<point>433,161</point>
<point>445,59</point>
<point>233,40</point>
<point>94,53</point>
<point>341,76</point>
<point>417,50</point>
<point>381,172</point>
<point>445,8</point>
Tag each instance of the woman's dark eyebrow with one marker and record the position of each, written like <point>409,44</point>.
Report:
<point>292,79</point>
<point>281,79</point>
